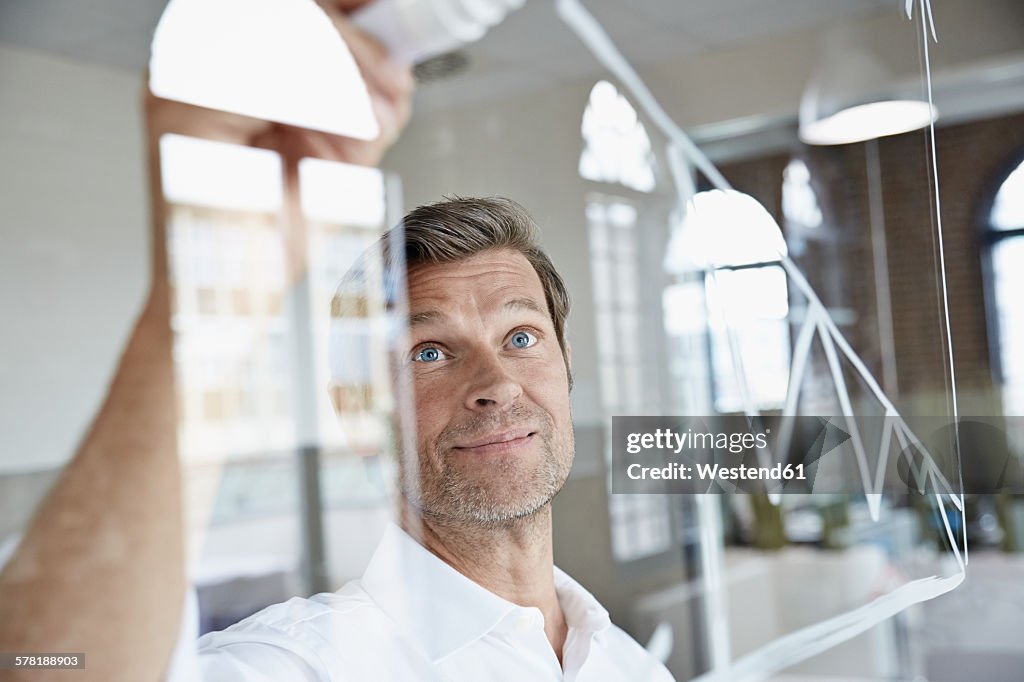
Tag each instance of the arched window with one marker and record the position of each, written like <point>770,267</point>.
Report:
<point>727,257</point>
<point>1004,232</point>
<point>618,159</point>
<point>617,151</point>
<point>799,201</point>
<point>616,146</point>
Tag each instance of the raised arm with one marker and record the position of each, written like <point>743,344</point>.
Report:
<point>100,569</point>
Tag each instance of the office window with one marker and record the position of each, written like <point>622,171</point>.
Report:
<point>733,294</point>
<point>611,224</point>
<point>617,153</point>
<point>745,310</point>
<point>1005,235</point>
<point>640,524</point>
<point>799,201</point>
<point>228,272</point>
<point>749,307</point>
<point>616,146</point>
<point>343,206</point>
<point>244,331</point>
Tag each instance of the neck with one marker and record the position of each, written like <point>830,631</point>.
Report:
<point>513,560</point>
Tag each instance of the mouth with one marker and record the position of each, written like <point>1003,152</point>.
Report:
<point>494,443</point>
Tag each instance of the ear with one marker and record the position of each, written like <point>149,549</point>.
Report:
<point>568,363</point>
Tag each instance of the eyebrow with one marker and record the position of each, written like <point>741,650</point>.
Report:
<point>425,317</point>
<point>524,304</point>
<point>515,304</point>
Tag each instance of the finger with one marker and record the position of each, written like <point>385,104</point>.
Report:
<point>349,6</point>
<point>382,71</point>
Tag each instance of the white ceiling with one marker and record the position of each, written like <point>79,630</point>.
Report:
<point>117,32</point>
<point>531,49</point>
<point>107,32</point>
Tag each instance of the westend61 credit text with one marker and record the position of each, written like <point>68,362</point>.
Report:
<point>716,472</point>
<point>664,439</point>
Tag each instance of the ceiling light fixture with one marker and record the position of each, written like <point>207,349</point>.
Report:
<point>852,98</point>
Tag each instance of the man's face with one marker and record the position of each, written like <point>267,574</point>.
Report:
<point>494,429</point>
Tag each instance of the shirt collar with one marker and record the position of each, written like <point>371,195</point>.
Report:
<point>444,610</point>
<point>581,609</point>
<point>435,604</point>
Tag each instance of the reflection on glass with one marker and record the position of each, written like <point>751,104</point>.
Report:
<point>251,340</point>
<point>234,342</point>
<point>228,275</point>
<point>344,209</point>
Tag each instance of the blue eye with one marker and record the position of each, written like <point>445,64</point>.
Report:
<point>428,354</point>
<point>522,339</point>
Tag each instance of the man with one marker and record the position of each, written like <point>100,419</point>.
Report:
<point>466,588</point>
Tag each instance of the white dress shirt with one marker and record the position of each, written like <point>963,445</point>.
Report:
<point>413,617</point>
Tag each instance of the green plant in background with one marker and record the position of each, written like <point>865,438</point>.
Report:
<point>769,528</point>
<point>1004,513</point>
<point>835,516</point>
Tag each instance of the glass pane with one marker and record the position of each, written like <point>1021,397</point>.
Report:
<point>329,401</point>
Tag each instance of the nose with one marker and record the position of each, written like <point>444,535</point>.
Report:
<point>491,385</point>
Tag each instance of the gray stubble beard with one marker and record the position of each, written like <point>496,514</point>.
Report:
<point>448,497</point>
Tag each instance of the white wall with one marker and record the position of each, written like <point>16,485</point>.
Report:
<point>74,219</point>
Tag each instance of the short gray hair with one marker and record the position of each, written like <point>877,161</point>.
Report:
<point>460,227</point>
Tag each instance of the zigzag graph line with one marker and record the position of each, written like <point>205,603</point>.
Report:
<point>682,154</point>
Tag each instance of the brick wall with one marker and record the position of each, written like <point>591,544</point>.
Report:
<point>838,258</point>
